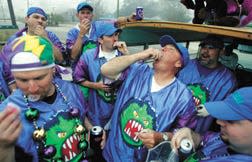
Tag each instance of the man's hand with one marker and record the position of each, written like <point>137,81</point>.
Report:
<point>103,142</point>
<point>40,31</point>
<point>121,46</point>
<point>10,126</point>
<point>151,53</point>
<point>102,86</point>
<point>84,27</point>
<point>183,133</point>
<point>150,138</point>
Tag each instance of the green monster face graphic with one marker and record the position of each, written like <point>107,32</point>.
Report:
<point>200,93</point>
<point>108,97</point>
<point>2,97</point>
<point>136,116</point>
<point>60,133</point>
<point>89,45</point>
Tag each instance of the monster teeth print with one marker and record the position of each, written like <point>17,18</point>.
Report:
<point>131,129</point>
<point>196,100</point>
<point>70,147</point>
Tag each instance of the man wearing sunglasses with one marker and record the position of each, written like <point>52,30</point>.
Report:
<point>208,79</point>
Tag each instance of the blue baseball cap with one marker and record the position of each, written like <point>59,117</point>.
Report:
<point>167,39</point>
<point>237,106</point>
<point>107,29</point>
<point>37,10</point>
<point>83,5</point>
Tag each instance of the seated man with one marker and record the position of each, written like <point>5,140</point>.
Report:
<point>151,102</point>
<point>208,79</point>
<point>234,142</point>
<point>44,117</point>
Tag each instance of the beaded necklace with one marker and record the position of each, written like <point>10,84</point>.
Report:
<point>39,134</point>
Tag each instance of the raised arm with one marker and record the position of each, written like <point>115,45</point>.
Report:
<point>84,28</point>
<point>114,67</point>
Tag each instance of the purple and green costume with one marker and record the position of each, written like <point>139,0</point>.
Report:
<point>215,85</point>
<point>88,42</point>
<point>53,117</point>
<point>101,102</point>
<point>137,108</point>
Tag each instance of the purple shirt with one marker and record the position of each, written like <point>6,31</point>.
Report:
<point>101,103</point>
<point>88,42</point>
<point>4,89</point>
<point>137,107</point>
<point>47,113</point>
<point>219,83</point>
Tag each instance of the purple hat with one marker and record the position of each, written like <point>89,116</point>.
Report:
<point>37,10</point>
<point>83,5</point>
<point>107,29</point>
<point>237,106</point>
<point>167,39</point>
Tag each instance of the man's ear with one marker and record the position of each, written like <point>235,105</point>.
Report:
<point>100,40</point>
<point>178,63</point>
<point>77,14</point>
<point>54,70</point>
<point>26,19</point>
<point>222,52</point>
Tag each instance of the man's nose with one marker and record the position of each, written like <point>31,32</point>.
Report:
<point>115,37</point>
<point>221,122</point>
<point>33,87</point>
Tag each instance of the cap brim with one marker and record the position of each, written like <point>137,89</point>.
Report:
<point>85,6</point>
<point>112,31</point>
<point>223,111</point>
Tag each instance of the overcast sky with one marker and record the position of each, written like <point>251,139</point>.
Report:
<point>20,6</point>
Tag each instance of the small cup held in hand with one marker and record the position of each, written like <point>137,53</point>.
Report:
<point>12,108</point>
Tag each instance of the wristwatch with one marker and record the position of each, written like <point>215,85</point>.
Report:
<point>165,137</point>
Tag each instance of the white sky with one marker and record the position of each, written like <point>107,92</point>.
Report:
<point>20,6</point>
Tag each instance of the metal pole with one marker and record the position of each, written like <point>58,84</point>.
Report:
<point>12,15</point>
<point>117,9</point>
<point>28,5</point>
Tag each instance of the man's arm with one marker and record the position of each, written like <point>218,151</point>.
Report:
<point>76,49</point>
<point>96,85</point>
<point>151,138</point>
<point>58,55</point>
<point>115,66</point>
<point>84,29</point>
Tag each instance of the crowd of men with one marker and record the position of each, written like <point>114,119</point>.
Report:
<point>44,118</point>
